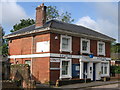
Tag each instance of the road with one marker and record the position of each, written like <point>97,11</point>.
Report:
<point>104,87</point>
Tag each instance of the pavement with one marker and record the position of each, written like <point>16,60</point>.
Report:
<point>91,84</point>
<point>80,86</point>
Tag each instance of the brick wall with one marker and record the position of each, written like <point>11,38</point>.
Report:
<point>55,45</point>
<point>93,47</point>
<point>75,61</point>
<point>40,38</point>
<point>20,46</point>
<point>15,47</point>
<point>41,70</point>
<point>54,75</point>
<point>107,49</point>
<point>75,45</point>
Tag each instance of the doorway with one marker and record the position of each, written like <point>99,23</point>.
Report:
<point>94,71</point>
<point>85,70</point>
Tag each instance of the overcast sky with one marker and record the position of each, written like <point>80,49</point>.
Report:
<point>99,16</point>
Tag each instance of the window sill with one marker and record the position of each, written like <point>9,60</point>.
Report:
<point>105,75</point>
<point>66,76</point>
<point>101,54</point>
<point>66,51</point>
<point>85,52</point>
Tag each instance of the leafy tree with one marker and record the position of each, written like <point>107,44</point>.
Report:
<point>23,23</point>
<point>3,43</point>
<point>52,13</point>
<point>115,48</point>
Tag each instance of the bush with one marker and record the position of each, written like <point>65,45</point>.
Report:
<point>115,69</point>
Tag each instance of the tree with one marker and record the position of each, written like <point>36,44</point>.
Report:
<point>52,13</point>
<point>3,43</point>
<point>115,48</point>
<point>23,23</point>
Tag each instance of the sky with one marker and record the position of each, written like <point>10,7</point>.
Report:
<point>99,16</point>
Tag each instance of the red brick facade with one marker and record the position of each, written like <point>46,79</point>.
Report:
<point>41,66</point>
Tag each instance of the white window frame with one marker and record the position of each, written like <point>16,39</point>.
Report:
<point>88,46</point>
<point>104,63</point>
<point>27,61</point>
<point>69,75</point>
<point>100,42</point>
<point>70,44</point>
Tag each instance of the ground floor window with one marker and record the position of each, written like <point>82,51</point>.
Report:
<point>65,68</point>
<point>104,68</point>
<point>28,62</point>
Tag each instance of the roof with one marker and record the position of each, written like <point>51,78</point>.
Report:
<point>63,27</point>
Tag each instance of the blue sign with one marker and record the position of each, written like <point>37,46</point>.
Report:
<point>75,70</point>
<point>91,55</point>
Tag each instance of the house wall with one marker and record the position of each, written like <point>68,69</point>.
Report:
<point>41,67</point>
<point>40,38</point>
<point>93,47</point>
<point>55,46</point>
<point>24,46</point>
<point>107,49</point>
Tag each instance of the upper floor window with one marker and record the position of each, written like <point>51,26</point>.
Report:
<point>101,48</point>
<point>85,46</point>
<point>66,42</point>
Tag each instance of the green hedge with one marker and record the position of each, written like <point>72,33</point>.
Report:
<point>115,69</point>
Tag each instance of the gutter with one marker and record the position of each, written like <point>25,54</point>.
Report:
<point>27,33</point>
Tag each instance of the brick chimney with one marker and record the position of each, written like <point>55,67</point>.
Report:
<point>40,15</point>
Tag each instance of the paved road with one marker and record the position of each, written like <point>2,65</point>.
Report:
<point>108,86</point>
<point>104,87</point>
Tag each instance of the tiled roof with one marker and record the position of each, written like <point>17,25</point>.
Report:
<point>63,26</point>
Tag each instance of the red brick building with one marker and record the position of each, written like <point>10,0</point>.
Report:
<point>57,50</point>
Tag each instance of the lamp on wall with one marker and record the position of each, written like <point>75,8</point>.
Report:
<point>56,37</point>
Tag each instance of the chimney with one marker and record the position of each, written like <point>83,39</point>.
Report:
<point>40,15</point>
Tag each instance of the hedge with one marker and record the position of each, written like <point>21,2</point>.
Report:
<point>115,69</point>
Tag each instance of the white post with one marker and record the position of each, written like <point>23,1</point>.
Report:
<point>85,75</point>
<point>81,70</point>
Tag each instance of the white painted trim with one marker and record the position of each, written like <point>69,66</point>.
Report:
<point>54,59</point>
<point>70,44</point>
<point>58,55</point>
<point>88,46</point>
<point>26,33</point>
<point>98,53</point>
<point>54,68</point>
<point>30,55</point>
